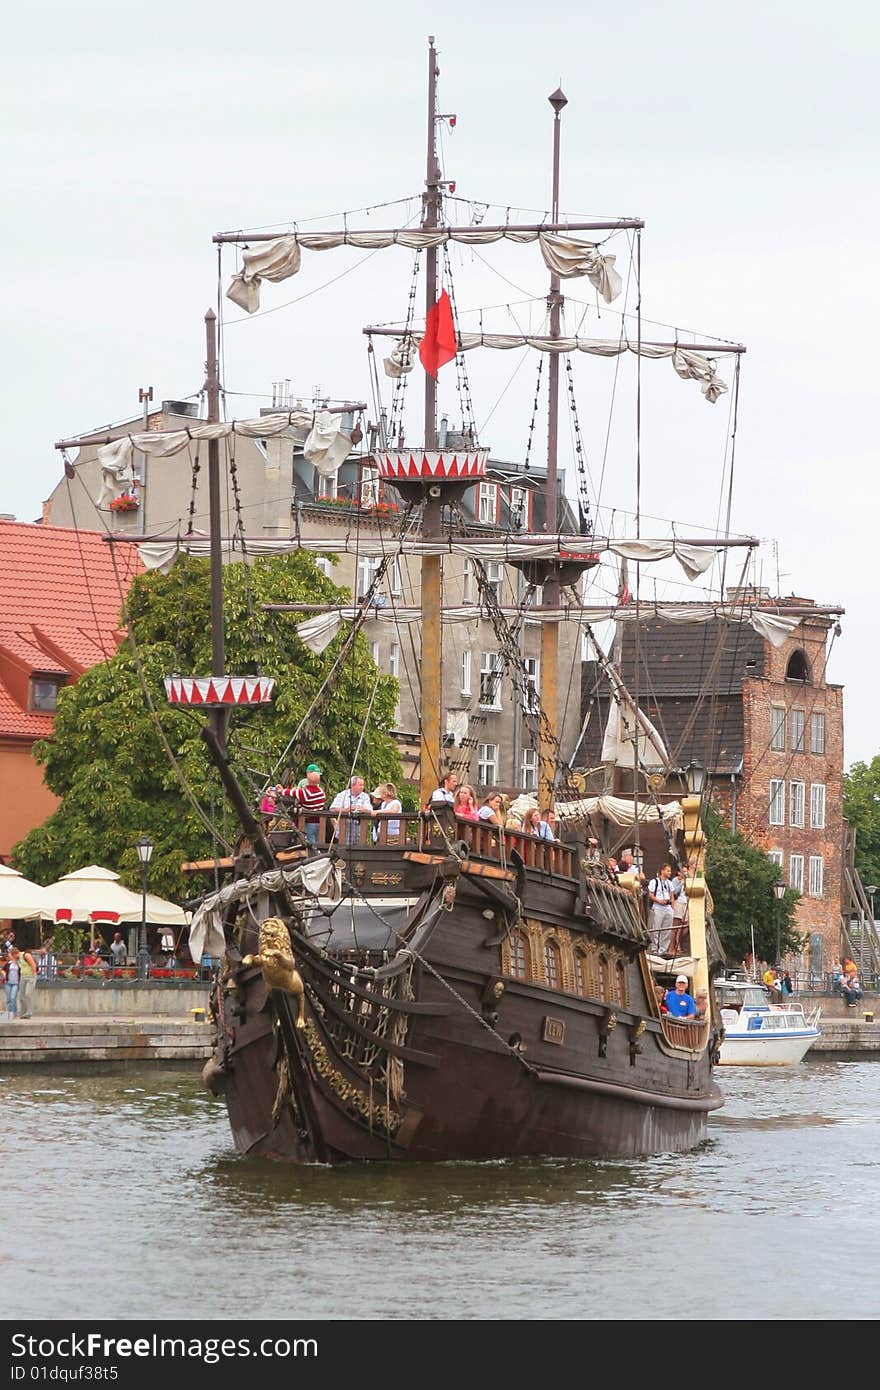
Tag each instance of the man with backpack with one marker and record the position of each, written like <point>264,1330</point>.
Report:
<point>660,896</point>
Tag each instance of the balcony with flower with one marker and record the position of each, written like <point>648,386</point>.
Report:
<point>125,502</point>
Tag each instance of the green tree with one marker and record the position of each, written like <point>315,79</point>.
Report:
<point>741,878</point>
<point>107,760</point>
<point>861,806</point>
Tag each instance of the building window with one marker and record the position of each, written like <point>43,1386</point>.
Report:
<point>466,672</point>
<point>777,801</point>
<point>490,680</point>
<point>394,660</point>
<point>796,873</point>
<point>487,770</point>
<point>796,804</point>
<point>374,652</point>
<point>488,503</point>
<point>495,577</point>
<point>777,729</point>
<point>44,695</point>
<point>798,668</point>
<point>520,956</point>
<point>467,583</point>
<point>519,507</point>
<point>396,578</point>
<point>367,570</point>
<point>369,488</point>
<point>530,680</point>
<point>529,769</point>
<point>817,733</point>
<point>323,566</point>
<point>325,484</point>
<point>552,964</point>
<point>817,806</point>
<point>817,876</point>
<point>776,856</point>
<point>798,727</point>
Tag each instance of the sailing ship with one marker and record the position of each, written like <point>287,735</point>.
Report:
<point>418,987</point>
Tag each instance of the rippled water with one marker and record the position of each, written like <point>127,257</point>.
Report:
<point>123,1198</point>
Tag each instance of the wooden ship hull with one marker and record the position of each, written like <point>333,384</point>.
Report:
<point>511,1014</point>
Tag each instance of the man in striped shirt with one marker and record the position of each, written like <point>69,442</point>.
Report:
<point>311,795</point>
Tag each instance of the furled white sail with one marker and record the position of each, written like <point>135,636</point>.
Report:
<point>325,445</point>
<point>694,559</point>
<point>690,366</point>
<point>620,811</point>
<point>566,256</point>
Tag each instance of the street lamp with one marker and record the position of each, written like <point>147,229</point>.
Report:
<point>695,776</point>
<point>779,893</point>
<point>144,847</point>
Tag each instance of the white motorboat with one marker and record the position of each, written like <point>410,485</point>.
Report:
<point>758,1033</point>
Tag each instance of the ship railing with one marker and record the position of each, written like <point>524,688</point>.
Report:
<point>490,842</point>
<point>434,833</point>
<point>683,1032</point>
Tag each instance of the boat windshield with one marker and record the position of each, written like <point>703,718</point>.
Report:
<point>734,996</point>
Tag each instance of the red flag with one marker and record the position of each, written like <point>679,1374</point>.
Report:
<point>439,343</point>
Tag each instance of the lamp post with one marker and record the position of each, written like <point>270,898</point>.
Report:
<point>779,894</point>
<point>144,847</point>
<point>695,776</point>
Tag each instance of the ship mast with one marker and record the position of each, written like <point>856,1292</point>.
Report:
<point>429,723</point>
<point>550,628</point>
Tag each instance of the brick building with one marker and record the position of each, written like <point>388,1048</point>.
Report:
<point>768,727</point>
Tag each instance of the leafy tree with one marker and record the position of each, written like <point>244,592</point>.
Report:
<point>861,806</point>
<point>107,759</point>
<point>741,878</point>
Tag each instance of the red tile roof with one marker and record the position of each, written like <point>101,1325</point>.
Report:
<point>60,607</point>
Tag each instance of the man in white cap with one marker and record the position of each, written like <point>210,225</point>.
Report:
<point>679,1003</point>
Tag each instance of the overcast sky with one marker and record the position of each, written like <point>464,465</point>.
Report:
<point>745,136</point>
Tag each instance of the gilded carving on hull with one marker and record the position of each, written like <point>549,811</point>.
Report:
<point>276,961</point>
<point>386,880</point>
<point>378,1116</point>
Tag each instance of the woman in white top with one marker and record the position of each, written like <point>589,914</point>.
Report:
<point>491,809</point>
<point>389,803</point>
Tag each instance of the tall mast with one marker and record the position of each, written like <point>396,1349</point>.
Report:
<point>429,751</point>
<point>218,635</point>
<point>550,630</point>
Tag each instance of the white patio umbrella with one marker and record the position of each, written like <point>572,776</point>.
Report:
<point>94,891</point>
<point>19,898</point>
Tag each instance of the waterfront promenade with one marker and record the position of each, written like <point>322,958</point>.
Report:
<point>151,1033</point>
<point>51,1038</point>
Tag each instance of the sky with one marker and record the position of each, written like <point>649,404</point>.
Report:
<point>746,137</point>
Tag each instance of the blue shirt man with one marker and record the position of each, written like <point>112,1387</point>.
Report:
<point>679,1003</point>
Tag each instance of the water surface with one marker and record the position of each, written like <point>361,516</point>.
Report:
<point>130,1202</point>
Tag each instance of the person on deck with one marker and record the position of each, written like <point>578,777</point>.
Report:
<point>490,811</point>
<point>660,898</point>
<point>118,950</point>
<point>548,823</point>
<point>311,795</point>
<point>660,994</point>
<point>389,805</point>
<point>444,794</point>
<point>355,803</point>
<point>679,1003</point>
<point>679,912</point>
<point>465,803</point>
